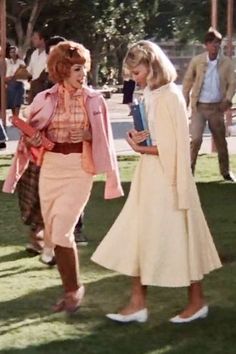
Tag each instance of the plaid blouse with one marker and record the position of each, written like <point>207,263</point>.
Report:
<point>70,115</point>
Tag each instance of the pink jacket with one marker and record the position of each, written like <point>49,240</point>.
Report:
<point>98,157</point>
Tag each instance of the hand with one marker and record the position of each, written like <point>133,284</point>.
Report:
<point>131,142</point>
<point>35,140</point>
<point>138,137</point>
<point>225,105</point>
<point>78,135</point>
<point>87,135</point>
<point>9,78</point>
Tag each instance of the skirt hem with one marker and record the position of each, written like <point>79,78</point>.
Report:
<point>147,282</point>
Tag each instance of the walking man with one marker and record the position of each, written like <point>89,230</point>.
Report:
<point>210,78</point>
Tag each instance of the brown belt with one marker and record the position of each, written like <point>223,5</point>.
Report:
<point>67,148</point>
<point>208,104</point>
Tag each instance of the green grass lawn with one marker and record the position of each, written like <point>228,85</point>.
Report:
<point>28,288</point>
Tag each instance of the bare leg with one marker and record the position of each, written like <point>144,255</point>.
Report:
<point>195,300</point>
<point>68,267</point>
<point>138,298</point>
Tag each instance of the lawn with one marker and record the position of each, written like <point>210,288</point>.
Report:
<point>28,288</point>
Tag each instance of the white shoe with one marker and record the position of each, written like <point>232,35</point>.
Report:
<point>48,257</point>
<point>202,313</point>
<point>139,316</point>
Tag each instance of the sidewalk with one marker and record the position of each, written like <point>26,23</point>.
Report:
<point>121,123</point>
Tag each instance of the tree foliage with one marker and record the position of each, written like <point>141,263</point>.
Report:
<point>107,27</point>
<point>22,16</point>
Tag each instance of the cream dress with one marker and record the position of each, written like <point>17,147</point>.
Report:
<point>161,234</point>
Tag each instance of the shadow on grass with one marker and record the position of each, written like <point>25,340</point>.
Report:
<point>15,256</point>
<point>21,271</point>
<point>156,338</point>
<point>219,206</point>
<point>103,336</point>
<point>35,303</point>
<point>218,202</point>
<point>13,232</point>
<point>6,165</point>
<point>9,269</point>
<point>36,306</point>
<point>7,157</point>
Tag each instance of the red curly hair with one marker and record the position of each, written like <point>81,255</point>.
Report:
<point>63,56</point>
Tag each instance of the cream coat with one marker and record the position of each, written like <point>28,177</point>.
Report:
<point>167,115</point>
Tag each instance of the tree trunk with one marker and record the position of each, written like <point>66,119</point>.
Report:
<point>94,72</point>
<point>20,35</point>
<point>36,9</point>
<point>120,54</point>
<point>24,38</point>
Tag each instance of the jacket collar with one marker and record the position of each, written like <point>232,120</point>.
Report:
<point>205,57</point>
<point>89,92</point>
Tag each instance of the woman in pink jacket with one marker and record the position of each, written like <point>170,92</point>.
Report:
<point>74,118</point>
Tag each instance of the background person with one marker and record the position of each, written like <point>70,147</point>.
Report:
<point>128,91</point>
<point>37,64</point>
<point>209,84</point>
<point>15,87</point>
<point>27,186</point>
<point>3,135</point>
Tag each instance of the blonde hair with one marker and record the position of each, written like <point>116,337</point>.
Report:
<point>161,70</point>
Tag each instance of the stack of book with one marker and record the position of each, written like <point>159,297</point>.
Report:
<point>140,120</point>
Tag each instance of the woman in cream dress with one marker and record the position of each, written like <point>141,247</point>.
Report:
<point>167,240</point>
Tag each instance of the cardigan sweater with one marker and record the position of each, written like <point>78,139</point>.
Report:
<point>166,110</point>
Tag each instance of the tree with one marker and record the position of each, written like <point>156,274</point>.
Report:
<point>24,15</point>
<point>129,25</point>
<point>90,22</point>
<point>107,27</point>
<point>184,20</point>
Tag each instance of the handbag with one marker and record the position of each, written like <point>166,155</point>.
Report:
<point>22,73</point>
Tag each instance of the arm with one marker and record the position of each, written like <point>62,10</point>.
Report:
<point>189,80</point>
<point>226,102</point>
<point>33,139</point>
<point>29,68</point>
<point>81,134</point>
<point>231,82</point>
<point>9,74</point>
<point>132,141</point>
